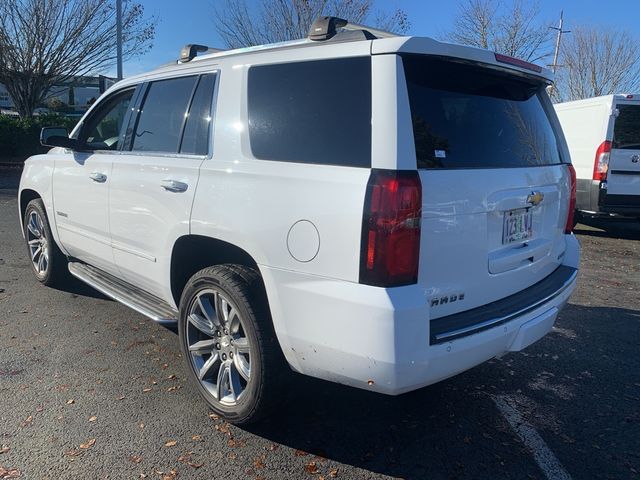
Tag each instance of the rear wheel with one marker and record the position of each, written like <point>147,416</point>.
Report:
<point>49,264</point>
<point>229,344</point>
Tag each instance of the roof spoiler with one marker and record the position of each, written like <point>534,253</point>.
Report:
<point>325,28</point>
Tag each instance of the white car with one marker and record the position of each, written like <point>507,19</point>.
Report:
<point>379,211</point>
<point>603,136</point>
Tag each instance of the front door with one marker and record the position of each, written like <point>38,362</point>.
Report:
<point>81,181</point>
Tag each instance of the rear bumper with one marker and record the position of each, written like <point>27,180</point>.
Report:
<point>593,199</point>
<point>379,339</point>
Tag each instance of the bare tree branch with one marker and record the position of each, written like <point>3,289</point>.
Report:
<point>280,20</point>
<point>43,42</point>
<point>516,31</point>
<point>598,61</point>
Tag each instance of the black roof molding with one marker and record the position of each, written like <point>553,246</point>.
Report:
<point>190,51</point>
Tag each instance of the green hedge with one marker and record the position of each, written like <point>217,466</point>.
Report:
<point>20,138</point>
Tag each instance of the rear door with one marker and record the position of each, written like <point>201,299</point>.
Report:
<point>154,182</point>
<point>495,190</point>
<point>623,177</point>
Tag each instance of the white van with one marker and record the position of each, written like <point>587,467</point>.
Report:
<point>603,135</point>
<point>382,212</point>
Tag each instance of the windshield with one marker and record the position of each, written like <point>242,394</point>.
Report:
<point>466,116</point>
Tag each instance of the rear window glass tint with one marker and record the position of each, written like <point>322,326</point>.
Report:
<point>465,116</point>
<point>162,115</point>
<point>195,139</point>
<point>312,112</point>
<point>626,132</point>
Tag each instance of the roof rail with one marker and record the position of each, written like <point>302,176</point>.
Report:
<point>190,51</point>
<point>325,28</point>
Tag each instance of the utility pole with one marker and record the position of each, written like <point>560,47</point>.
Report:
<point>554,66</point>
<point>119,37</point>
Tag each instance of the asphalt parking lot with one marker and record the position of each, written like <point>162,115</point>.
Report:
<point>91,389</point>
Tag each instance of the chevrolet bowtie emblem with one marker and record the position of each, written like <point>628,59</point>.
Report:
<point>535,198</point>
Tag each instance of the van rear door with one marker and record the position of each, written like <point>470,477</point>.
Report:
<point>494,186</point>
<point>623,177</point>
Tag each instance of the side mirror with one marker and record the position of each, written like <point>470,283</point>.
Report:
<point>57,137</point>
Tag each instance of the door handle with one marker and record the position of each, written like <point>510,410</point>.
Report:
<point>174,186</point>
<point>98,177</point>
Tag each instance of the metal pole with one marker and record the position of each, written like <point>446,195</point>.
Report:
<point>554,65</point>
<point>119,36</point>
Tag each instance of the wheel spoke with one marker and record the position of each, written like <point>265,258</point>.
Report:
<point>223,376</point>
<point>242,366</point>
<point>33,228</point>
<point>35,253</point>
<point>234,382</point>
<point>202,347</point>
<point>41,265</point>
<point>34,242</point>
<point>207,308</point>
<point>241,344</point>
<point>206,367</point>
<point>201,324</point>
<point>221,310</point>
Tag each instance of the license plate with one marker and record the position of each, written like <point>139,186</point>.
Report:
<point>517,226</point>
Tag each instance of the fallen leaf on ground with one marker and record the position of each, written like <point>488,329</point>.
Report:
<point>171,389</point>
<point>300,453</point>
<point>259,463</point>
<point>145,390</point>
<point>4,449</point>
<point>141,426</point>
<point>135,458</point>
<point>71,401</point>
<point>170,443</point>
<point>121,397</point>
<point>232,456</point>
<point>9,473</point>
<point>27,421</point>
<point>333,473</point>
<point>39,408</point>
<point>311,467</point>
<point>186,459</point>
<point>90,443</point>
<point>93,419</point>
<point>197,438</point>
<point>232,443</point>
<point>172,377</point>
<point>213,416</point>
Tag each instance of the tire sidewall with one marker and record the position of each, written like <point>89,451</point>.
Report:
<point>247,405</point>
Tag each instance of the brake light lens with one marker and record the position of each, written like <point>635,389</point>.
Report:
<point>518,63</point>
<point>601,163</point>
<point>568,228</point>
<point>390,244</point>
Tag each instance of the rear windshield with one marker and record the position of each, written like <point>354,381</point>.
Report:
<point>626,133</point>
<point>465,116</point>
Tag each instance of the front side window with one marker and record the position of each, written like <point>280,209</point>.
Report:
<point>468,116</point>
<point>312,112</point>
<point>162,115</point>
<point>102,129</point>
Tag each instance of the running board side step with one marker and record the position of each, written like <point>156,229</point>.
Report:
<point>133,297</point>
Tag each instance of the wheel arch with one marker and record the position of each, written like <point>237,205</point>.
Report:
<point>192,253</point>
<point>26,195</point>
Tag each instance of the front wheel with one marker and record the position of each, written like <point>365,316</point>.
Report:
<point>229,344</point>
<point>47,261</point>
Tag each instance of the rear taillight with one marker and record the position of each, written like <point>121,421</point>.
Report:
<point>390,248</point>
<point>568,228</point>
<point>601,163</point>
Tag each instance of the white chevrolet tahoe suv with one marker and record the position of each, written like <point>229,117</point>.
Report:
<point>379,211</point>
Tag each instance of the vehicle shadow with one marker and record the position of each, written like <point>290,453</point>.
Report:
<point>76,287</point>
<point>625,229</point>
<point>453,429</point>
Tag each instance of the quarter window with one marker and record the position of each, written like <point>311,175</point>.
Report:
<point>312,112</point>
<point>162,115</point>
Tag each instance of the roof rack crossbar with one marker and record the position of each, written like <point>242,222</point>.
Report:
<point>325,28</point>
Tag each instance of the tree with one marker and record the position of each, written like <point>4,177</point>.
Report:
<point>516,31</point>
<point>597,61</point>
<point>44,42</point>
<point>280,20</point>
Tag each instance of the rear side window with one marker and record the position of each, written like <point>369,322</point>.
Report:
<point>312,112</point>
<point>162,115</point>
<point>465,116</point>
<point>626,132</point>
<point>195,139</point>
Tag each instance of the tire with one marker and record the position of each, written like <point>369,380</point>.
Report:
<point>229,344</point>
<point>48,263</point>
